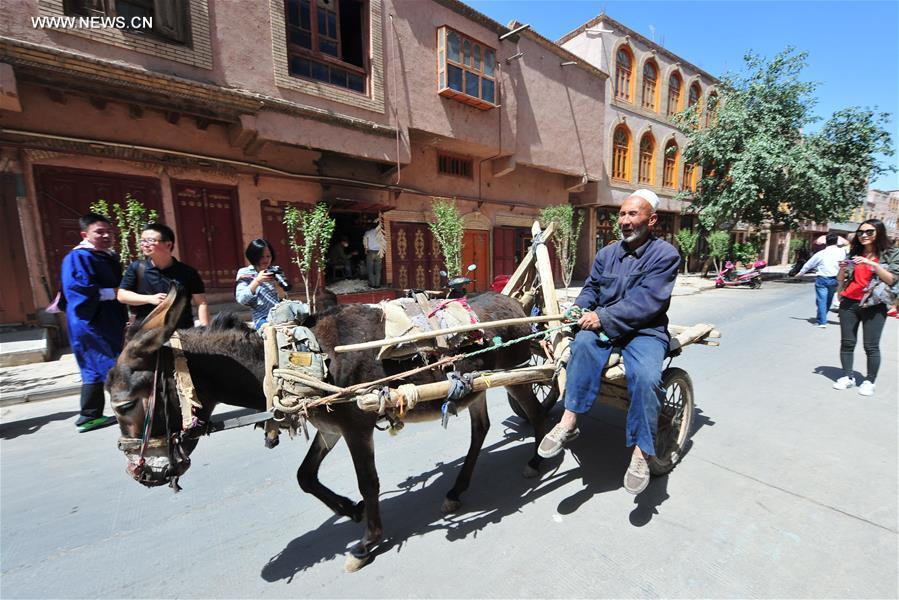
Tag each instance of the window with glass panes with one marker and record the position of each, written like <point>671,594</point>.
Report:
<point>689,180</point>
<point>650,85</point>
<point>327,41</point>
<point>623,62</point>
<point>674,93</point>
<point>695,94</point>
<point>647,148</point>
<point>621,142</point>
<point>669,170</point>
<point>466,69</point>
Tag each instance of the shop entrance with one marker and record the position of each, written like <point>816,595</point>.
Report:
<point>348,262</point>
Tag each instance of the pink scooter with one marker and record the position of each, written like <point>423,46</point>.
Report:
<point>729,276</point>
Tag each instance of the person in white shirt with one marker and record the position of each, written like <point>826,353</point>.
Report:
<point>373,241</point>
<point>827,264</point>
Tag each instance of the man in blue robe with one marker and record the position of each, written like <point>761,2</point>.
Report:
<point>90,277</point>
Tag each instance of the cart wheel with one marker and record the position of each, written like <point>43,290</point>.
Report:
<point>718,284</point>
<point>755,283</point>
<point>675,421</point>
<point>547,393</point>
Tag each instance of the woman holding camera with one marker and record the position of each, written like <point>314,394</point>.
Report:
<point>870,255</point>
<point>256,286</point>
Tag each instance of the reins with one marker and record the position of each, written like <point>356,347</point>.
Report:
<point>148,418</point>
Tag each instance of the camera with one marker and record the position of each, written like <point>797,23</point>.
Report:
<point>279,277</point>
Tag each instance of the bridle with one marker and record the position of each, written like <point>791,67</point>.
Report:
<point>173,439</point>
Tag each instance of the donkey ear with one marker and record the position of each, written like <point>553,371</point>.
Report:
<point>158,326</point>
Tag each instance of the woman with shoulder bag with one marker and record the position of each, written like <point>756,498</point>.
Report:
<point>870,257</point>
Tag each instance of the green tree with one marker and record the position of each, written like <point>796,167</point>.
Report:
<point>795,245</point>
<point>129,222</point>
<point>309,236</point>
<point>686,241</point>
<point>448,231</point>
<point>746,252</point>
<point>566,232</point>
<point>719,244</point>
<point>757,165</point>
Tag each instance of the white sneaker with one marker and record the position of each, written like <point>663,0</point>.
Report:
<point>844,383</point>
<point>822,326</point>
<point>866,388</point>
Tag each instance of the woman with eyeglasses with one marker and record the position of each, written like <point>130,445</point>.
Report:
<point>869,255</point>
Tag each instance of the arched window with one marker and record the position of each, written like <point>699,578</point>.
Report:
<point>675,83</point>
<point>650,85</point>
<point>623,69</point>
<point>621,150</point>
<point>647,151</point>
<point>711,107</point>
<point>689,181</point>
<point>695,95</point>
<point>669,171</point>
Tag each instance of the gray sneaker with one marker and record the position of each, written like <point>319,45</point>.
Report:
<point>554,441</point>
<point>637,476</point>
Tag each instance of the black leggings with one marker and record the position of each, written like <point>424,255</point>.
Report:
<point>872,319</point>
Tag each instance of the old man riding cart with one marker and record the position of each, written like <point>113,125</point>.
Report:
<point>294,383</point>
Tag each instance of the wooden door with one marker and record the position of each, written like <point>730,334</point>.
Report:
<point>66,194</point>
<point>476,250</point>
<point>209,231</point>
<point>415,256</point>
<point>16,302</point>
<point>508,248</point>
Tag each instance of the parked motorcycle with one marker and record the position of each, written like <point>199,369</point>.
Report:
<point>730,276</point>
<point>456,285</point>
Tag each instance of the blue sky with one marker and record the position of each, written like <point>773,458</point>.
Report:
<point>853,46</point>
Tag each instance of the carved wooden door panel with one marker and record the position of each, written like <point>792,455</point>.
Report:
<point>66,194</point>
<point>415,256</point>
<point>209,231</point>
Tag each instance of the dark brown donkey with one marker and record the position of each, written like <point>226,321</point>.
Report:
<point>226,362</point>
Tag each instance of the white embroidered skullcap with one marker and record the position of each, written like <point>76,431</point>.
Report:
<point>649,196</point>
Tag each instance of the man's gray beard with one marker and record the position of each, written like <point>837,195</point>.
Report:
<point>636,234</point>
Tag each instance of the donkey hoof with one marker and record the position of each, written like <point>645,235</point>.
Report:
<point>354,563</point>
<point>450,506</point>
<point>530,472</point>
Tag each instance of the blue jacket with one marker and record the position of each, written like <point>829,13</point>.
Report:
<point>631,290</point>
<point>96,326</point>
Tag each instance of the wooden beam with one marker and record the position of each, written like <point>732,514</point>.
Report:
<point>524,266</point>
<point>415,337</point>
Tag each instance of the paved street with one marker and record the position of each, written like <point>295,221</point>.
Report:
<point>789,490</point>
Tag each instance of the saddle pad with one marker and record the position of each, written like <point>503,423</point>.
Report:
<point>406,316</point>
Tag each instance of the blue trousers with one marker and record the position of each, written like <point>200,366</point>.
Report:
<point>825,288</point>
<point>643,356</point>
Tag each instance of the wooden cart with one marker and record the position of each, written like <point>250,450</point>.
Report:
<point>533,286</point>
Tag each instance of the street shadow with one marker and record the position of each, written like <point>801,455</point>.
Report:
<point>647,503</point>
<point>814,320</point>
<point>10,431</point>
<point>412,509</point>
<point>834,373</point>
